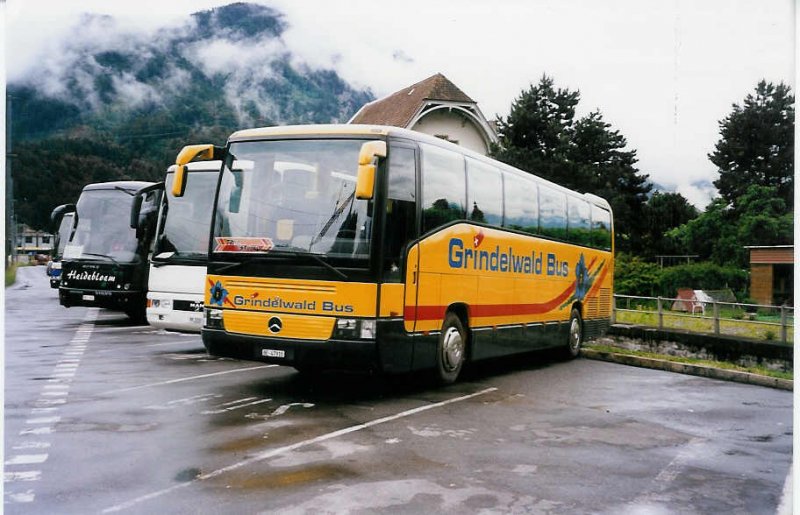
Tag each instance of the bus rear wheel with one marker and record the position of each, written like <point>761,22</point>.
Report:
<point>452,349</point>
<point>575,335</point>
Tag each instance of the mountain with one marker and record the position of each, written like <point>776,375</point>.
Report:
<point>119,104</point>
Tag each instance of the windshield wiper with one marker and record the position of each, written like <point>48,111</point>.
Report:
<point>177,257</point>
<point>100,255</point>
<point>336,214</point>
<point>124,190</point>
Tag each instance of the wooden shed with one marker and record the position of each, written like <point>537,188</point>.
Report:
<point>772,274</point>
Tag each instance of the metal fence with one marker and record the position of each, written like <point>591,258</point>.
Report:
<point>759,321</point>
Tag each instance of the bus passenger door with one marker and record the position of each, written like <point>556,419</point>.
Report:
<point>412,287</point>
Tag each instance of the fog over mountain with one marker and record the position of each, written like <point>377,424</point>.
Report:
<point>108,102</point>
<point>227,66</point>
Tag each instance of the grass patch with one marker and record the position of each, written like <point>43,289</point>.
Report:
<point>698,324</point>
<point>11,274</point>
<point>762,371</point>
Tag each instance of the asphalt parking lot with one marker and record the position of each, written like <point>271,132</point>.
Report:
<point>104,416</point>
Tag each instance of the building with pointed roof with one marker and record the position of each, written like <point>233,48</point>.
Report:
<point>433,106</point>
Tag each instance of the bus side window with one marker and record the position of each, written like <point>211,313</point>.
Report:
<point>521,204</point>
<point>443,187</point>
<point>553,213</point>
<point>579,228</point>
<point>401,208</point>
<point>485,193</point>
<point>601,228</point>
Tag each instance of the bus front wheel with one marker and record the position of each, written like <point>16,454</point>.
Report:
<point>452,349</point>
<point>575,334</point>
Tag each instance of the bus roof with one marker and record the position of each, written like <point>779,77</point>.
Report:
<point>114,185</point>
<point>383,131</point>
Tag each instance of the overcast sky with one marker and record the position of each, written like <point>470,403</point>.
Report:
<point>663,72</point>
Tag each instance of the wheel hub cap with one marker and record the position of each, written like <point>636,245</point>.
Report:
<point>453,348</point>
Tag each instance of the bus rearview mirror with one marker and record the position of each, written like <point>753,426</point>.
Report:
<point>59,212</point>
<point>188,154</point>
<point>365,182</point>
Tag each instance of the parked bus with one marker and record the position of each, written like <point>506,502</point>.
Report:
<point>105,262</point>
<point>178,264</point>
<point>61,238</point>
<point>348,246</point>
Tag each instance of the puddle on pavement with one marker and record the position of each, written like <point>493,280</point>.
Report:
<point>77,427</point>
<point>269,437</point>
<point>283,478</point>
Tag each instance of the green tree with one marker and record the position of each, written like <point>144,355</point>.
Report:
<point>756,145</point>
<point>722,232</point>
<point>542,136</point>
<point>664,212</point>
<point>535,135</point>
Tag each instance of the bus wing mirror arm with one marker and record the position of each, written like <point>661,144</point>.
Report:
<point>136,206</point>
<point>59,212</point>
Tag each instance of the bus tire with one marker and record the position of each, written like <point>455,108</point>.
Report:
<point>575,335</point>
<point>451,350</point>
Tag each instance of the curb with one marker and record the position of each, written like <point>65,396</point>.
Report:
<point>686,368</point>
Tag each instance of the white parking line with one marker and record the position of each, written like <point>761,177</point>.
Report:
<point>29,475</point>
<point>231,408</point>
<point>288,448</point>
<point>26,459</point>
<point>44,420</point>
<point>192,378</point>
<point>37,431</point>
<point>21,497</point>
<point>31,445</point>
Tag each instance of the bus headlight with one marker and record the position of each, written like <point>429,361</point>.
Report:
<point>214,319</point>
<point>353,328</point>
<point>367,329</point>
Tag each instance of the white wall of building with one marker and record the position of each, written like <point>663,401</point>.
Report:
<point>456,126</point>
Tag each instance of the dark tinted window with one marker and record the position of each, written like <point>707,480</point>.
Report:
<point>552,212</point>
<point>402,178</point>
<point>580,224</point>
<point>601,228</point>
<point>522,204</point>
<point>443,187</point>
<point>485,193</point>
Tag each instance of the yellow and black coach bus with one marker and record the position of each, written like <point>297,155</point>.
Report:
<point>370,247</point>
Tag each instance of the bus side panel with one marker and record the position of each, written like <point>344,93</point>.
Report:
<point>518,290</point>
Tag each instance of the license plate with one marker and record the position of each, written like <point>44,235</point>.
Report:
<point>273,353</point>
<point>196,320</point>
<point>88,297</point>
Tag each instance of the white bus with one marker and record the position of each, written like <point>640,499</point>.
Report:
<point>180,254</point>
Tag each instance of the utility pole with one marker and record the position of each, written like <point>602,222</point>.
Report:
<point>11,219</point>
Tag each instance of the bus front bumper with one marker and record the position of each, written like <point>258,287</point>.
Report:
<point>116,300</point>
<point>328,354</point>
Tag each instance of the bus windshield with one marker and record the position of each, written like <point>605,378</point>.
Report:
<point>103,230</point>
<point>293,196</point>
<point>64,230</point>
<point>183,231</point>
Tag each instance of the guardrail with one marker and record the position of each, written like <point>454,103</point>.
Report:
<point>759,321</point>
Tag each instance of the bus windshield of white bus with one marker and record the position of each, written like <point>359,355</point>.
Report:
<point>183,229</point>
<point>103,230</point>
<point>292,196</point>
<point>62,236</point>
